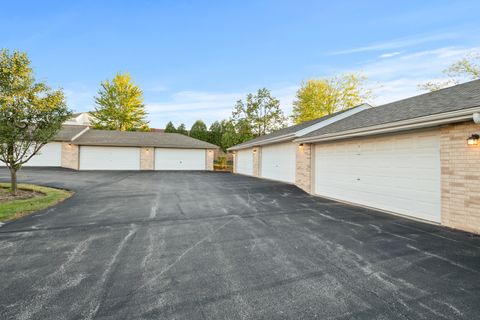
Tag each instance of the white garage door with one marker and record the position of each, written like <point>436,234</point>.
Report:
<point>398,173</point>
<point>179,159</point>
<point>244,162</point>
<point>50,155</point>
<point>278,162</point>
<point>109,158</point>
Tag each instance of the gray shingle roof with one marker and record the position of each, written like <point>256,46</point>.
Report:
<point>68,132</point>
<point>94,137</point>
<point>462,96</point>
<point>288,130</point>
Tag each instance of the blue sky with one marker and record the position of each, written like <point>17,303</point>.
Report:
<point>194,59</point>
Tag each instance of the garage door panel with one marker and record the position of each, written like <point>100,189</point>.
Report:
<point>397,173</point>
<point>109,158</point>
<point>50,155</point>
<point>278,162</point>
<point>180,159</point>
<point>244,162</point>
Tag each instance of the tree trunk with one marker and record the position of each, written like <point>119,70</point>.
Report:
<point>13,181</point>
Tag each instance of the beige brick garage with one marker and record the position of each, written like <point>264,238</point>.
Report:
<point>408,157</point>
<point>81,148</point>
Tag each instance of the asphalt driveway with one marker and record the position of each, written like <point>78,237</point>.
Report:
<point>198,245</point>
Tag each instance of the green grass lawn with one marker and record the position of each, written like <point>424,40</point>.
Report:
<point>12,209</point>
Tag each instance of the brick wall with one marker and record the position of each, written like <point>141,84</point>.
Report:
<point>209,160</point>
<point>234,162</point>
<point>257,155</point>
<point>147,158</point>
<point>303,168</point>
<point>460,177</point>
<point>70,153</point>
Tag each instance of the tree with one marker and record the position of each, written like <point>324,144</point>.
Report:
<point>30,112</point>
<point>182,129</point>
<point>120,106</point>
<point>462,70</point>
<point>216,132</point>
<point>320,97</point>
<point>199,131</point>
<point>170,128</point>
<point>261,112</point>
<point>234,133</point>
<point>230,136</point>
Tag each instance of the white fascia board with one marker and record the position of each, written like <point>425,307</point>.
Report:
<point>304,131</point>
<point>80,133</point>
<point>282,138</point>
<point>411,124</point>
<point>331,120</point>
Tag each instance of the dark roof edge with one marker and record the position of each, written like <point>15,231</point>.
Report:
<point>403,125</point>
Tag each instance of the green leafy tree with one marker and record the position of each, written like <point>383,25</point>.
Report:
<point>320,97</point>
<point>199,130</point>
<point>230,136</point>
<point>30,112</point>
<point>182,129</point>
<point>119,106</point>
<point>260,112</point>
<point>170,128</point>
<point>216,132</point>
<point>235,133</point>
<point>462,70</point>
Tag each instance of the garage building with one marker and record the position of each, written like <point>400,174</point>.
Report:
<point>416,157</point>
<point>273,156</point>
<point>81,148</point>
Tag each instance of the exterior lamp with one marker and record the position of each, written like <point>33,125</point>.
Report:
<point>254,150</point>
<point>300,145</point>
<point>473,140</point>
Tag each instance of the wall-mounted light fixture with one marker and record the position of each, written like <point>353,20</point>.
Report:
<point>210,151</point>
<point>147,150</point>
<point>300,145</point>
<point>254,150</point>
<point>473,140</point>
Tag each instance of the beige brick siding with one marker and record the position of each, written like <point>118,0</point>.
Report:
<point>257,163</point>
<point>147,158</point>
<point>209,159</point>
<point>234,169</point>
<point>70,156</point>
<point>460,177</point>
<point>303,168</point>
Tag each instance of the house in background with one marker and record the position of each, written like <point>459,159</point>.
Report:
<point>417,157</point>
<point>80,119</point>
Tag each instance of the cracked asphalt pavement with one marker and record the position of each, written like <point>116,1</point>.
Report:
<point>205,245</point>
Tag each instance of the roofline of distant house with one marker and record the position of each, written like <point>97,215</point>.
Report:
<point>304,131</point>
<point>404,125</point>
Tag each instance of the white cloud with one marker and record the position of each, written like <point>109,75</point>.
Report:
<point>189,106</point>
<point>390,54</point>
<point>397,43</point>
<point>398,77</point>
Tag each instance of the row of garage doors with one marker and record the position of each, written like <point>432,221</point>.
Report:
<point>398,173</point>
<point>122,158</point>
